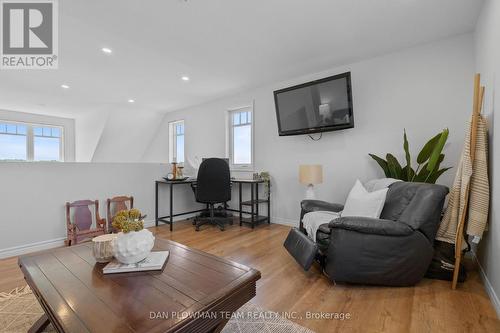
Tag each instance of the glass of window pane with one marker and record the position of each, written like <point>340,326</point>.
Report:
<point>236,118</point>
<point>46,149</point>
<point>46,131</point>
<point>37,131</point>
<point>249,117</point>
<point>3,128</point>
<point>21,129</point>
<point>180,148</point>
<point>243,117</point>
<point>12,147</point>
<point>56,132</point>
<point>11,129</point>
<point>242,145</point>
<point>179,129</point>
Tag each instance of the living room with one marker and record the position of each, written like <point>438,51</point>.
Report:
<point>207,131</point>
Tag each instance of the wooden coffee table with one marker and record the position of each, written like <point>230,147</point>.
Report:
<point>196,291</point>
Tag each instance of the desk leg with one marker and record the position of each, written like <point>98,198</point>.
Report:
<point>257,203</point>
<point>251,201</point>
<point>171,206</point>
<point>240,205</point>
<point>269,203</point>
<point>156,204</point>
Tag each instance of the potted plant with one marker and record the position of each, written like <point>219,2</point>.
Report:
<point>429,160</point>
<point>133,243</point>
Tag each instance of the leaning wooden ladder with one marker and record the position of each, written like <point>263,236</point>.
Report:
<point>476,112</point>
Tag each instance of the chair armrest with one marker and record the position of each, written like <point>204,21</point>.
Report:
<point>369,225</point>
<point>316,205</point>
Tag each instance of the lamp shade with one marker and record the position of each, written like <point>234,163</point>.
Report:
<point>310,174</point>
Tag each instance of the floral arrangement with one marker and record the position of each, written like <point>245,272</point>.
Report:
<point>129,220</point>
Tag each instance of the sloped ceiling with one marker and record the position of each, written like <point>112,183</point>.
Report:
<point>223,45</point>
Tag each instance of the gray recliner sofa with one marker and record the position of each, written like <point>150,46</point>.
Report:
<point>395,250</point>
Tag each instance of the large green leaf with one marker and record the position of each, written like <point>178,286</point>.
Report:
<point>427,150</point>
<point>408,174</point>
<point>422,175</point>
<point>438,148</point>
<point>433,177</point>
<point>406,148</point>
<point>382,163</point>
<point>426,176</point>
<point>394,167</point>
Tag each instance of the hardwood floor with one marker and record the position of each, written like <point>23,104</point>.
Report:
<point>431,306</point>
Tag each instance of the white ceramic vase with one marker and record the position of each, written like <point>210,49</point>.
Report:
<point>134,246</point>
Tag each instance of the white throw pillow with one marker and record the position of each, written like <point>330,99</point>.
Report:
<point>360,202</point>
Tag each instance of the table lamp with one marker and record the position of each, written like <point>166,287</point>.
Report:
<point>310,175</point>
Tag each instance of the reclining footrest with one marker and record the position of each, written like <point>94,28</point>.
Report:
<point>301,247</point>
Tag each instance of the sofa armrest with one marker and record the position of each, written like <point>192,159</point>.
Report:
<point>316,205</point>
<point>369,225</point>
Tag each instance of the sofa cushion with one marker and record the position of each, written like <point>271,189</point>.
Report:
<point>360,202</point>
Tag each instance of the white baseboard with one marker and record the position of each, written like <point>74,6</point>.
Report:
<point>43,245</point>
<point>33,247</point>
<point>489,288</point>
<point>283,221</point>
<point>53,243</point>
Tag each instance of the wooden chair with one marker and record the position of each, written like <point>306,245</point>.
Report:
<point>79,224</point>
<point>114,205</point>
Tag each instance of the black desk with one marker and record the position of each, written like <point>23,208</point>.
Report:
<point>254,202</point>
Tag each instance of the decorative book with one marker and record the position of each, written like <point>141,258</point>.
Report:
<point>155,261</point>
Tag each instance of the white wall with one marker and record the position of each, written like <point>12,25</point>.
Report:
<point>33,195</point>
<point>67,123</point>
<point>126,136</point>
<point>88,131</point>
<point>111,134</point>
<point>423,89</point>
<point>487,45</point>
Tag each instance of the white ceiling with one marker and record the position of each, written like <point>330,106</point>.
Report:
<point>224,46</point>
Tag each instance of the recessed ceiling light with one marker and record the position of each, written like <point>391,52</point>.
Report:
<point>64,86</point>
<point>185,78</point>
<point>131,100</point>
<point>107,50</point>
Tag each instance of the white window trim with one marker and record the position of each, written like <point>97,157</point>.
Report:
<point>172,140</point>
<point>30,139</point>
<point>229,138</point>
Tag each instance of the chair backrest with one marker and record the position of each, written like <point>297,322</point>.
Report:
<point>116,204</point>
<point>79,213</point>
<point>418,205</point>
<point>213,183</point>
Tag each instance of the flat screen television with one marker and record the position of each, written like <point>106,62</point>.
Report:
<point>316,106</point>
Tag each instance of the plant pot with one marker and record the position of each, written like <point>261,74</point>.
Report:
<point>134,246</point>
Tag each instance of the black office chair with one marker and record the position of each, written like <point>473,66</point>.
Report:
<point>213,186</point>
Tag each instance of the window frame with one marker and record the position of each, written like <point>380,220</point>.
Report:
<point>30,139</point>
<point>230,137</point>
<point>172,136</point>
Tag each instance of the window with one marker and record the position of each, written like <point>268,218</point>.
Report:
<point>13,142</point>
<point>241,138</point>
<point>30,142</point>
<point>176,145</point>
<point>47,144</point>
